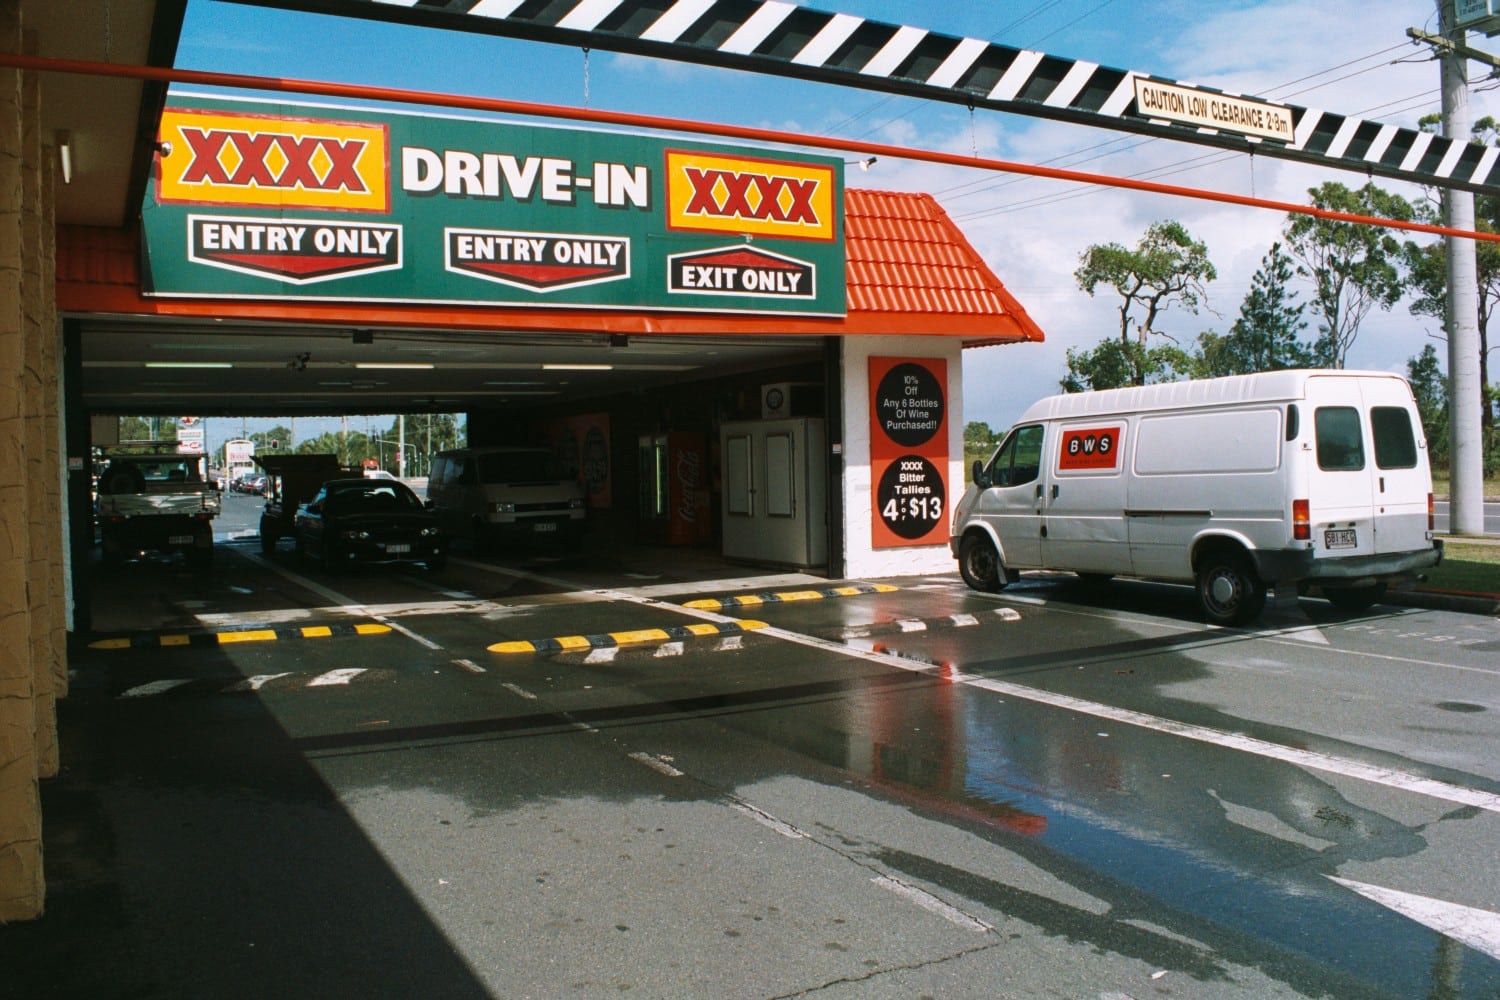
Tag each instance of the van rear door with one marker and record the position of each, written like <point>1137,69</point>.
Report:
<point>1341,481</point>
<point>1402,478</point>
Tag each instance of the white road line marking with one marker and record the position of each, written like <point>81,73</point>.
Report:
<point>153,688</point>
<point>470,666</point>
<point>963,621</point>
<point>517,689</point>
<point>1008,614</point>
<point>912,625</point>
<point>658,764</point>
<point>348,603</point>
<point>932,904</point>
<point>343,676</point>
<point>1387,777</point>
<point>398,627</point>
<point>602,654</point>
<point>257,682</point>
<point>669,649</point>
<point>1479,929</point>
<point>730,643</point>
<point>765,819</point>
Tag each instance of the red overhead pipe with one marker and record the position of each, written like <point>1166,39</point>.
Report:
<point>532,109</point>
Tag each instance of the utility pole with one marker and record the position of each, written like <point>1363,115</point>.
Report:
<point>1465,394</point>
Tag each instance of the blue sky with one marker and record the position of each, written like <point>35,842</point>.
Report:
<point>1346,56</point>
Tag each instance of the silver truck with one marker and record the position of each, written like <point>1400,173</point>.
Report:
<point>157,502</point>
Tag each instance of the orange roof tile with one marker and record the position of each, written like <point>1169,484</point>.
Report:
<point>906,257</point>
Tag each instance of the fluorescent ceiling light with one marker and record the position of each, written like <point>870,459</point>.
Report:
<point>577,368</point>
<point>394,364</point>
<point>189,364</point>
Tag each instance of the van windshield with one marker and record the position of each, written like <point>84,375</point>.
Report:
<point>517,467</point>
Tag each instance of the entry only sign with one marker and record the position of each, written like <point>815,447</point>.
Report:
<point>266,199</point>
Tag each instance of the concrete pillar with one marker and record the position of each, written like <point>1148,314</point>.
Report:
<point>21,882</point>
<point>37,376</point>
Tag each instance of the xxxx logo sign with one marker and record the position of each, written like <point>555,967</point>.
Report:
<point>736,194</point>
<point>236,159</point>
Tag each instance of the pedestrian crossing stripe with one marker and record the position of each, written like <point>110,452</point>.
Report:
<point>232,636</point>
<point>637,637</point>
<point>787,39</point>
<point>786,596</point>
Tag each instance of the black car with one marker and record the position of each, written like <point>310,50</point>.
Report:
<point>350,521</point>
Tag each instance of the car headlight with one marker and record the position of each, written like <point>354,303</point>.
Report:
<point>576,503</point>
<point>355,535</point>
<point>502,508</point>
<point>430,532</point>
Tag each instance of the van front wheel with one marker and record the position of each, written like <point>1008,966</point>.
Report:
<point>980,564</point>
<point>1228,590</point>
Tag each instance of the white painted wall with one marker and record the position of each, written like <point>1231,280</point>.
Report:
<point>861,559</point>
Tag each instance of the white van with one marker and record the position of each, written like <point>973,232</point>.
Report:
<point>1234,484</point>
<point>502,493</point>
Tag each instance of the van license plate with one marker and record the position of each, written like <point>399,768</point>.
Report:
<point>1340,538</point>
<point>180,540</point>
<point>398,549</point>
<point>545,526</point>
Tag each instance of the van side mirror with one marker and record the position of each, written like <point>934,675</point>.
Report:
<point>981,478</point>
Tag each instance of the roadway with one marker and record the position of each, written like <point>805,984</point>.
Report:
<point>1055,791</point>
<point>1491,517</point>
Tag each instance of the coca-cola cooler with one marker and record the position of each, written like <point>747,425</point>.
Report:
<point>674,500</point>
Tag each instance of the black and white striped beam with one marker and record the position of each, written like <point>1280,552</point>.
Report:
<point>772,36</point>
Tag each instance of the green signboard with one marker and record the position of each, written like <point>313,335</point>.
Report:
<point>270,200</point>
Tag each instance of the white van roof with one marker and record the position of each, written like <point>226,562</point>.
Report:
<point>1278,386</point>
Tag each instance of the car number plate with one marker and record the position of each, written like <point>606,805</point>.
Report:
<point>1340,538</point>
<point>398,549</point>
<point>544,526</point>
<point>180,540</point>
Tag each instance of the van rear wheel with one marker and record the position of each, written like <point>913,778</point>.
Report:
<point>980,564</point>
<point>1229,592</point>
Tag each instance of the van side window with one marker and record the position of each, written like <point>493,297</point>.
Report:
<point>1341,446</point>
<point>1019,459</point>
<point>1395,443</point>
<point>464,473</point>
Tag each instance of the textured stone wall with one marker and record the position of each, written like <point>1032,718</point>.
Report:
<point>28,741</point>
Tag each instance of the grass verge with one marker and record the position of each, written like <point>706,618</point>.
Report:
<point>1468,567</point>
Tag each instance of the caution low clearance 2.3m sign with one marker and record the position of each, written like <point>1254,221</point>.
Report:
<point>269,200</point>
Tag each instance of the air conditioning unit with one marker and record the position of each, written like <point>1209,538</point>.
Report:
<point>779,400</point>
<point>1478,15</point>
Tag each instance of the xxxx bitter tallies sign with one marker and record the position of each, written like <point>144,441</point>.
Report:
<point>270,200</point>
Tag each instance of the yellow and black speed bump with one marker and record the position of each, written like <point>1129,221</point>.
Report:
<point>574,643</point>
<point>155,640</point>
<point>782,597</point>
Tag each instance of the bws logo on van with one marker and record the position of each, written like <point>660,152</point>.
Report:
<point>740,270</point>
<point>301,251</point>
<point>538,262</point>
<point>737,194</point>
<point>1091,448</point>
<point>235,159</point>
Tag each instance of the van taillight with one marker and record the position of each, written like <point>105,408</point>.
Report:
<point>1301,521</point>
<point>1431,514</point>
